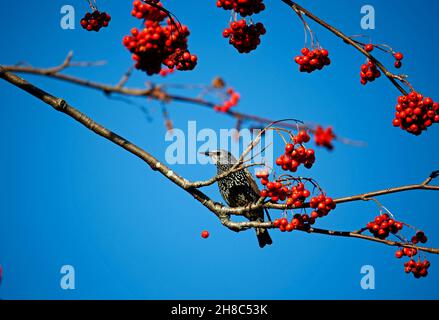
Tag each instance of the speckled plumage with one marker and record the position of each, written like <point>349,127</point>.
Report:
<point>239,189</point>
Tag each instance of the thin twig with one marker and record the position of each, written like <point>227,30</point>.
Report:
<point>153,92</point>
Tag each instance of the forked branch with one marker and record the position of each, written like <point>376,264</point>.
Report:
<point>222,212</point>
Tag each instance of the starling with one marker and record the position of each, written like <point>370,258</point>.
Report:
<point>239,189</point>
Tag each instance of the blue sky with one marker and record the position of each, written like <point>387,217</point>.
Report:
<point>69,197</point>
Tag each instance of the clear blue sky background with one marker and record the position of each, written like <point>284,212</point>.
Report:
<point>69,197</point>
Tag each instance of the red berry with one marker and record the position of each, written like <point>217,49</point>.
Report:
<point>205,234</point>
<point>368,47</point>
<point>398,56</point>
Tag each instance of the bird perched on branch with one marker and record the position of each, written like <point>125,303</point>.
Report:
<point>239,189</point>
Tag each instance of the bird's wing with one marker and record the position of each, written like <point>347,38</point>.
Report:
<point>252,181</point>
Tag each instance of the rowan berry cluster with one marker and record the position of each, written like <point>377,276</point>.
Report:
<point>233,99</point>
<point>297,195</point>
<point>369,72</point>
<point>383,225</point>
<point>158,45</point>
<point>419,237</point>
<point>147,11</point>
<point>243,7</point>
<point>244,37</point>
<point>324,137</point>
<point>322,205</point>
<point>304,221</point>
<point>95,21</point>
<point>182,59</point>
<point>407,252</point>
<point>299,221</point>
<point>414,113</point>
<point>312,60</point>
<point>277,191</point>
<point>418,269</point>
<point>296,154</point>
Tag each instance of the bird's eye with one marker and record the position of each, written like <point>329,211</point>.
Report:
<point>218,153</point>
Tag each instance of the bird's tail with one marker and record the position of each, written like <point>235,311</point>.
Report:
<point>263,237</point>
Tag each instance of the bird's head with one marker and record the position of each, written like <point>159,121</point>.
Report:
<point>220,156</point>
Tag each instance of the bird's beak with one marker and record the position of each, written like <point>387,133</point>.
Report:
<point>205,153</point>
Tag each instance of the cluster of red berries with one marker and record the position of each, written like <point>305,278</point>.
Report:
<point>243,7</point>
<point>297,195</point>
<point>244,37</point>
<point>305,221</point>
<point>419,237</point>
<point>322,205</point>
<point>383,225</point>
<point>275,190</point>
<point>295,156</point>
<point>165,71</point>
<point>369,72</point>
<point>230,102</point>
<point>156,45</point>
<point>95,21</point>
<point>414,113</point>
<point>407,252</point>
<point>182,59</point>
<point>418,269</point>
<point>147,11</point>
<point>299,221</point>
<point>324,137</point>
<point>312,60</point>
<point>398,57</point>
<point>205,234</point>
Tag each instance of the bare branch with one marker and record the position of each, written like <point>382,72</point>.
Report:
<point>153,92</point>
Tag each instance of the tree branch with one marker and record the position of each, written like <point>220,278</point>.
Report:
<point>154,92</point>
<point>366,196</point>
<point>300,10</point>
<point>222,212</point>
